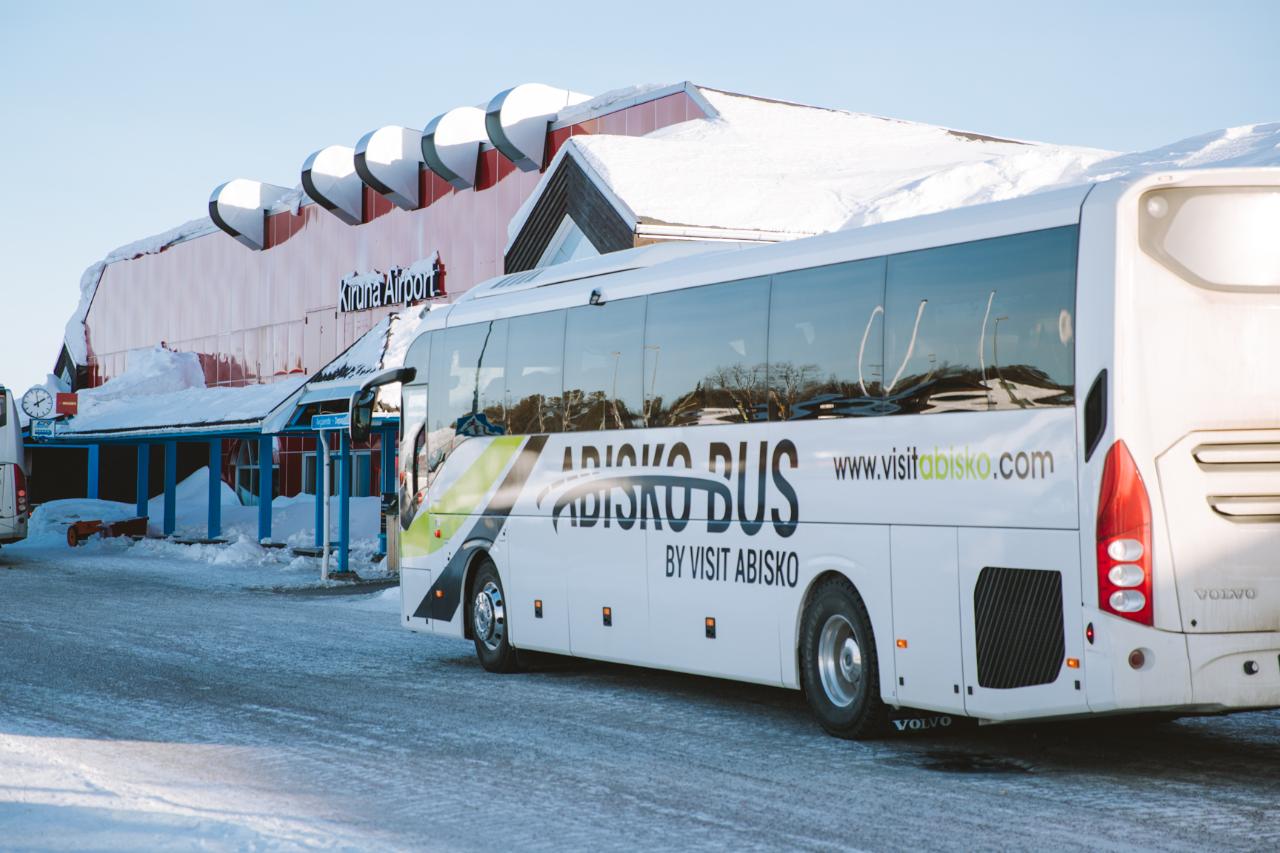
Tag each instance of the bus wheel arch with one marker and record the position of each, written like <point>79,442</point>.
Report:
<point>838,662</point>
<point>486,614</point>
<point>479,556</point>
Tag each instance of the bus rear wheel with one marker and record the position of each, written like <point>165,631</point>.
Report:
<point>488,619</point>
<point>838,665</point>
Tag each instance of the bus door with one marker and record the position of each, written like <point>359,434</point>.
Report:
<point>1021,620</point>
<point>926,619</point>
<point>415,578</point>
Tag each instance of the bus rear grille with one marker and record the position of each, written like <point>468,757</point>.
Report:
<point>1018,627</point>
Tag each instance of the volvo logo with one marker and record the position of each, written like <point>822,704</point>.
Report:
<point>1227,594</point>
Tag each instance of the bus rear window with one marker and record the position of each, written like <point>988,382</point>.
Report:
<point>1219,237</point>
<point>4,407</point>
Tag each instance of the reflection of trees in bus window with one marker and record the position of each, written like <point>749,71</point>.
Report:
<point>467,379</point>
<point>820,321</point>
<point>983,325</point>
<point>602,363</point>
<point>535,356</point>
<point>705,354</point>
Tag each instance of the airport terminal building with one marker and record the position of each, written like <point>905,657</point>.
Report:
<point>275,308</point>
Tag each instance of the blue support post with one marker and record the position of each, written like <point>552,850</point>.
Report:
<point>143,491</point>
<point>321,497</point>
<point>388,463</point>
<point>170,487</point>
<point>344,500</point>
<point>265,488</point>
<point>94,458</point>
<point>215,488</point>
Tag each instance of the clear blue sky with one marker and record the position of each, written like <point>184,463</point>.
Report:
<point>120,118</point>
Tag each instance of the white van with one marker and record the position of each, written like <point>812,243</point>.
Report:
<point>14,502</point>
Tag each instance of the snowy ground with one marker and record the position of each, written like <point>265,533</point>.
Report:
<point>151,699</point>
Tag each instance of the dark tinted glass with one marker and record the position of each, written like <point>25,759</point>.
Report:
<point>983,325</point>
<point>602,362</point>
<point>535,355</point>
<point>821,322</point>
<point>705,354</point>
<point>466,390</point>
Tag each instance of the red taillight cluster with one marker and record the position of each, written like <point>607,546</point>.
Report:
<point>1124,539</point>
<point>20,488</point>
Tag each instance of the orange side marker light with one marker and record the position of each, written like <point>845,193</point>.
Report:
<point>902,644</point>
<point>1073,663</point>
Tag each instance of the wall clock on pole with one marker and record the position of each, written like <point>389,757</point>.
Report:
<point>37,403</point>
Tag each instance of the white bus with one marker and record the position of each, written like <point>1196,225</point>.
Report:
<point>13,477</point>
<point>1019,460</point>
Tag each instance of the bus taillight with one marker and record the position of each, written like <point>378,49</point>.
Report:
<point>20,488</point>
<point>1124,539</point>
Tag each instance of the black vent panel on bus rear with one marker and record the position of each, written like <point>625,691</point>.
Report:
<point>1018,627</point>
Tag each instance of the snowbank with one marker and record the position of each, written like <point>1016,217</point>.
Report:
<point>1249,145</point>
<point>293,522</point>
<point>153,371</point>
<point>164,389</point>
<point>1043,169</point>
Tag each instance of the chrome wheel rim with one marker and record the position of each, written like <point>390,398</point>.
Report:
<point>489,618</point>
<point>840,661</point>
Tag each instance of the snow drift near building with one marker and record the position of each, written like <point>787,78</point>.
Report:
<point>165,390</point>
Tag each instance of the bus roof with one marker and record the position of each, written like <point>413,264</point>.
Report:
<point>669,266</point>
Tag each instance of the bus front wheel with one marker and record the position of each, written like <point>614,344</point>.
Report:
<point>838,666</point>
<point>489,626</point>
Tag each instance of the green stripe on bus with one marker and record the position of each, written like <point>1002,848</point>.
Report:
<point>461,500</point>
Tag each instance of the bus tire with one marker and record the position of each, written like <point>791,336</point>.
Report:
<point>488,614</point>
<point>838,665</point>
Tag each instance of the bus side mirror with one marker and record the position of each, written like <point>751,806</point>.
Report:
<point>361,406</point>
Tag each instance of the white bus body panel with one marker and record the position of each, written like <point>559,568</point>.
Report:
<point>13,525</point>
<point>1194,397</point>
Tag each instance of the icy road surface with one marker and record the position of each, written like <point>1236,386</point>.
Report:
<point>149,701</point>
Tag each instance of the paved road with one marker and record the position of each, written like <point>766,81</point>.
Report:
<point>147,703</point>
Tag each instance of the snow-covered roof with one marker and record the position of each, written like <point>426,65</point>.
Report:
<point>762,168</point>
<point>163,392</point>
<point>381,348</point>
<point>769,170</point>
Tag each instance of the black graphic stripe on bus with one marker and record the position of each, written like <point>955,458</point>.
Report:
<point>486,529</point>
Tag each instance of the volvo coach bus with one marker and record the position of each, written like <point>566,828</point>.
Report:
<point>13,478</point>
<point>1019,460</point>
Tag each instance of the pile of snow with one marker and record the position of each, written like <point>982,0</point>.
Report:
<point>153,371</point>
<point>1250,145</point>
<point>293,522</point>
<point>75,338</point>
<point>1246,146</point>
<point>165,389</point>
<point>794,170</point>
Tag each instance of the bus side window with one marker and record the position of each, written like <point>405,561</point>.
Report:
<point>420,461</point>
<point>535,358</point>
<point>704,354</point>
<point>602,364</point>
<point>464,394</point>
<point>982,326</point>
<point>826,341</point>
